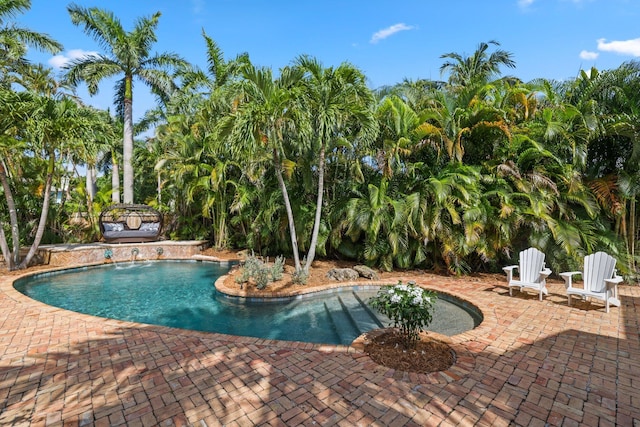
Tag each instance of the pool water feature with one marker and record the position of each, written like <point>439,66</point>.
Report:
<point>181,294</point>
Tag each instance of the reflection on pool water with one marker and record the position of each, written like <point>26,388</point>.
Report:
<point>181,294</point>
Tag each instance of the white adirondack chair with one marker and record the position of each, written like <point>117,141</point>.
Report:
<point>599,277</point>
<point>532,272</point>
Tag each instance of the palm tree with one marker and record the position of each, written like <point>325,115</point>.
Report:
<point>204,94</point>
<point>189,120</point>
<point>378,219</point>
<point>478,68</point>
<point>443,209</point>
<point>111,156</point>
<point>609,101</point>
<point>219,72</point>
<point>14,108</point>
<point>264,124</point>
<point>339,104</point>
<point>46,128</point>
<point>14,40</point>
<point>129,57</point>
<point>460,127</point>
<point>416,93</point>
<point>183,156</point>
<point>39,79</point>
<point>398,122</point>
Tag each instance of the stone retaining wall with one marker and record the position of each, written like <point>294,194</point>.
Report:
<point>97,253</point>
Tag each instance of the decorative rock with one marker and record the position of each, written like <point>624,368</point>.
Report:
<point>366,272</point>
<point>342,274</point>
<point>243,254</point>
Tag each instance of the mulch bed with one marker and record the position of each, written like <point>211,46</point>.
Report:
<point>430,355</point>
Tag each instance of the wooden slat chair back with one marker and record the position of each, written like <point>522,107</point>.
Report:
<point>531,264</point>
<point>599,277</point>
<point>532,272</point>
<point>597,268</point>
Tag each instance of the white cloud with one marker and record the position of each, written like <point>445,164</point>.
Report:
<point>585,54</point>
<point>61,60</point>
<point>198,6</point>
<point>526,3</point>
<point>623,47</point>
<point>387,32</point>
<point>58,61</point>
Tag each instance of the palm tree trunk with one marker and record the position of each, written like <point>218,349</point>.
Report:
<point>221,240</point>
<point>221,216</point>
<point>632,232</point>
<point>287,205</point>
<point>91,183</point>
<point>316,222</point>
<point>4,249</point>
<point>115,180</point>
<point>12,259</point>
<point>127,149</point>
<point>159,187</point>
<point>43,216</point>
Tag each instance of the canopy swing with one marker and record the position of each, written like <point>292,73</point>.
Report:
<point>128,223</point>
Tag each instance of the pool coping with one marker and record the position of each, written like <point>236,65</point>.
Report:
<point>464,360</point>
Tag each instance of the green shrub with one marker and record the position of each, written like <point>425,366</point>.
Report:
<point>277,269</point>
<point>250,269</point>
<point>408,306</point>
<point>260,272</point>
<point>299,278</point>
<point>262,277</point>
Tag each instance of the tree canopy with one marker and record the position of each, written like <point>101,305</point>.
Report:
<point>308,161</point>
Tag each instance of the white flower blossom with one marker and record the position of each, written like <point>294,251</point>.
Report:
<point>407,305</point>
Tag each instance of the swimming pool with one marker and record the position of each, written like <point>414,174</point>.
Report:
<point>181,294</point>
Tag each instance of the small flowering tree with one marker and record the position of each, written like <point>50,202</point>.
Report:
<point>408,306</point>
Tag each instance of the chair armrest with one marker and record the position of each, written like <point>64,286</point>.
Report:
<point>568,276</point>
<point>509,270</point>
<point>612,285</point>
<point>545,273</point>
<point>614,281</point>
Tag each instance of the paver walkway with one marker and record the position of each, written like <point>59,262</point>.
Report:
<point>529,363</point>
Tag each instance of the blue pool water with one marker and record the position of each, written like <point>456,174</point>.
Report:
<point>181,294</point>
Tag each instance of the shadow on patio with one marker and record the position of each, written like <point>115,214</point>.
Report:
<point>534,363</point>
<point>151,375</point>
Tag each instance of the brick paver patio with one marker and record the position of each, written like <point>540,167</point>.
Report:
<point>529,363</point>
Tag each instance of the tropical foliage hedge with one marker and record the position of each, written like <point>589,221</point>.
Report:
<point>455,175</point>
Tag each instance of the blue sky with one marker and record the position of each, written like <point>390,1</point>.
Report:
<point>387,40</point>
